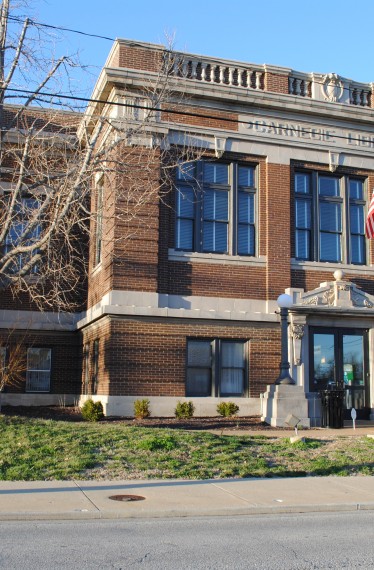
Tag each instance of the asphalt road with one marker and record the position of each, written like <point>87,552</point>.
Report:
<point>292,542</point>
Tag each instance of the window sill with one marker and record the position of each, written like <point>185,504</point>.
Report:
<point>220,258</point>
<point>331,267</point>
<point>96,269</point>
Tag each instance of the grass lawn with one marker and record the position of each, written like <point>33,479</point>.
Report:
<point>35,449</point>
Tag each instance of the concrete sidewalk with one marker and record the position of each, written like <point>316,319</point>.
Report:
<point>41,500</point>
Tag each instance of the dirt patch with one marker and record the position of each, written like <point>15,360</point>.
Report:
<point>72,414</point>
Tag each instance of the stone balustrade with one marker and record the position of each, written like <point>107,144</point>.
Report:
<point>329,88</point>
<point>359,95</point>
<point>212,71</point>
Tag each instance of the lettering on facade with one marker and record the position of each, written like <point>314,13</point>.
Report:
<point>312,133</point>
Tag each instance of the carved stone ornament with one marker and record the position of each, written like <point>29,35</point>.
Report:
<point>310,301</point>
<point>298,331</point>
<point>328,298</point>
<point>360,301</point>
<point>332,87</point>
<point>338,293</point>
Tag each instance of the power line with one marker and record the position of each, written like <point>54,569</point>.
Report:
<point>164,110</point>
<point>80,32</point>
<point>40,24</point>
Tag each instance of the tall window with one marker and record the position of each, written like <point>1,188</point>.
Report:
<point>95,366</point>
<point>38,375</point>
<point>216,208</point>
<point>2,366</point>
<point>24,231</point>
<point>330,218</point>
<point>99,222</point>
<point>216,368</point>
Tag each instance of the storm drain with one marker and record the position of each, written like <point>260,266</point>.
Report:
<point>127,498</point>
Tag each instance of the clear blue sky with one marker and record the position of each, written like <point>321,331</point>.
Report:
<point>307,35</point>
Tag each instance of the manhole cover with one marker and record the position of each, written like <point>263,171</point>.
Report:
<point>127,498</point>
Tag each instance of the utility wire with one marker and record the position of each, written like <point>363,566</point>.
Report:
<point>80,32</point>
<point>163,110</point>
<point>40,25</point>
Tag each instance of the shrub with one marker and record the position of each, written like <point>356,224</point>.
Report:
<point>141,409</point>
<point>227,409</point>
<point>92,411</point>
<point>153,443</point>
<point>184,410</point>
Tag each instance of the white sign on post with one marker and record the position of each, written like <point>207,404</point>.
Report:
<point>354,416</point>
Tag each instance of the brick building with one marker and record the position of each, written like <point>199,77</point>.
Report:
<point>275,201</point>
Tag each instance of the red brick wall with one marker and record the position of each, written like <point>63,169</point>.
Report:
<point>202,117</point>
<point>276,82</point>
<point>66,357</point>
<point>144,357</point>
<point>279,230</point>
<point>137,57</point>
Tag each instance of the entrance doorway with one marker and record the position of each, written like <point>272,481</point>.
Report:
<point>339,358</point>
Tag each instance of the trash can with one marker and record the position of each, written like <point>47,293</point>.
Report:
<point>332,412</point>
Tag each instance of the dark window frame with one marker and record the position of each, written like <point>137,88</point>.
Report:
<point>315,201</point>
<point>217,367</point>
<point>190,185</point>
<point>29,389</point>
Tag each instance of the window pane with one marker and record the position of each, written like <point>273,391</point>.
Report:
<point>232,382</point>
<point>324,361</point>
<point>232,354</point>
<point>246,212</point>
<point>184,234</point>
<point>246,176</point>
<point>357,219</point>
<point>329,186</point>
<point>39,359</point>
<point>302,244</point>
<point>358,250</point>
<point>356,189</point>
<point>186,171</point>
<point>330,217</point>
<point>199,371</point>
<point>216,173</point>
<point>330,247</point>
<point>216,205</point>
<point>232,368</point>
<point>302,183</point>
<point>38,369</point>
<point>37,381</point>
<point>246,240</point>
<point>215,237</point>
<point>198,382</point>
<point>199,353</point>
<point>303,214</point>
<point>185,202</point>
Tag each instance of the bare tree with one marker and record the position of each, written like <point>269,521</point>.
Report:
<point>13,364</point>
<point>50,156</point>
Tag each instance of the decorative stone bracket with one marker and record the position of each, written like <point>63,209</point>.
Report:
<point>297,332</point>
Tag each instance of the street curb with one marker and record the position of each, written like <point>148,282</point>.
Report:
<point>115,515</point>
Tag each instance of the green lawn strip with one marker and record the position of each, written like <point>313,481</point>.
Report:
<point>32,449</point>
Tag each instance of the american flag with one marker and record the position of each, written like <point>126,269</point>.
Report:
<point>370,219</point>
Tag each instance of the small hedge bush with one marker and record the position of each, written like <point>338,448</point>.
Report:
<point>92,411</point>
<point>184,410</point>
<point>227,409</point>
<point>141,409</point>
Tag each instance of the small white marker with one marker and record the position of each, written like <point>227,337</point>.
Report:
<point>354,416</point>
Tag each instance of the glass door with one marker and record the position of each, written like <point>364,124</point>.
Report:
<point>353,371</point>
<point>339,358</point>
